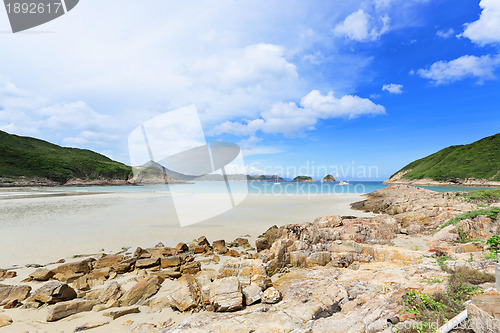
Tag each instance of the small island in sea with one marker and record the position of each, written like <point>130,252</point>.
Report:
<point>329,179</point>
<point>303,179</point>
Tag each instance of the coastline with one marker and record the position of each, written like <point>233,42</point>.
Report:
<point>44,227</point>
<point>430,182</point>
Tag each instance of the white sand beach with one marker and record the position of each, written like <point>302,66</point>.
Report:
<point>37,227</point>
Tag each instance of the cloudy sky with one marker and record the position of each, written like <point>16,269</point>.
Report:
<point>295,83</point>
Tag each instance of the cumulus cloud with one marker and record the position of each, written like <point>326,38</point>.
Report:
<point>291,119</point>
<point>481,68</point>
<point>245,67</point>
<point>445,34</point>
<point>362,27</point>
<point>393,88</point>
<point>91,137</point>
<point>486,30</point>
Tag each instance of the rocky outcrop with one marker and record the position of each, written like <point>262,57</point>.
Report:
<point>13,293</point>
<point>141,291</point>
<point>53,292</point>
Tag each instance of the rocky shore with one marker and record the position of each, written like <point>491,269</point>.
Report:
<point>398,179</point>
<point>336,274</point>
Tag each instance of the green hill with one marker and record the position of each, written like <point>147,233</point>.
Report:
<point>305,179</point>
<point>479,160</point>
<point>33,158</point>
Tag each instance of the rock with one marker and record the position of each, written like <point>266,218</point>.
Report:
<point>142,253</point>
<point>262,243</point>
<point>68,308</point>
<point>74,268</point>
<point>120,312</point>
<point>483,313</point>
<point>163,252</point>
<point>53,292</point>
<point>232,253</point>
<point>42,274</point>
<point>173,261</point>
<point>112,260</point>
<point>11,293</point>
<point>225,294</point>
<point>470,247</point>
<point>12,304</point>
<point>141,291</point>
<point>328,221</point>
<point>184,297</point>
<point>167,274</point>
<point>219,243</point>
<point>392,254</point>
<point>111,293</point>
<point>181,247</point>
<point>203,241</point>
<point>146,263</point>
<point>318,259</point>
<point>67,277</point>
<point>271,296</point>
<point>191,268</point>
<point>4,320</point>
<point>125,266</point>
<point>243,242</point>
<point>221,250</point>
<point>445,235</point>
<point>7,274</point>
<point>252,294</point>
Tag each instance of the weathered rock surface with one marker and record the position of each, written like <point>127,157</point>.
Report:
<point>141,291</point>
<point>68,308</point>
<point>42,274</point>
<point>225,294</point>
<point>120,312</point>
<point>53,292</point>
<point>185,296</point>
<point>13,293</point>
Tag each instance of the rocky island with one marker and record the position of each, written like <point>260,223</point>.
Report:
<point>335,274</point>
<point>329,179</point>
<point>303,179</point>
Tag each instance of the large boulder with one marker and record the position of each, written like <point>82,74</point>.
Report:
<point>440,240</point>
<point>225,294</point>
<point>111,293</point>
<point>65,309</point>
<point>42,274</point>
<point>141,291</point>
<point>185,296</point>
<point>13,293</point>
<point>53,292</point>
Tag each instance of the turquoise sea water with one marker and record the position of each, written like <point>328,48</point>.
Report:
<point>257,187</point>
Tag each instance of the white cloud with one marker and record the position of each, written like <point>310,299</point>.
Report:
<point>244,68</point>
<point>77,115</point>
<point>91,137</point>
<point>361,27</point>
<point>482,68</point>
<point>486,30</point>
<point>393,88</point>
<point>445,34</point>
<point>290,119</point>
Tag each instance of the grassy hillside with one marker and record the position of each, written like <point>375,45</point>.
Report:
<point>29,157</point>
<point>479,160</point>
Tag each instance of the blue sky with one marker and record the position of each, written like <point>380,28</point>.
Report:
<point>350,86</point>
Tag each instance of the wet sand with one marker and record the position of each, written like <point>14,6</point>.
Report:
<point>38,227</point>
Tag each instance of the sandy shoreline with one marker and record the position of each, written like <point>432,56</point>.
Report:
<point>39,228</point>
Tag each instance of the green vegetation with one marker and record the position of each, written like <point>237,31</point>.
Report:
<point>33,158</point>
<point>492,213</point>
<point>480,160</point>
<point>494,246</point>
<point>485,197</point>
<point>303,179</point>
<point>434,310</point>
